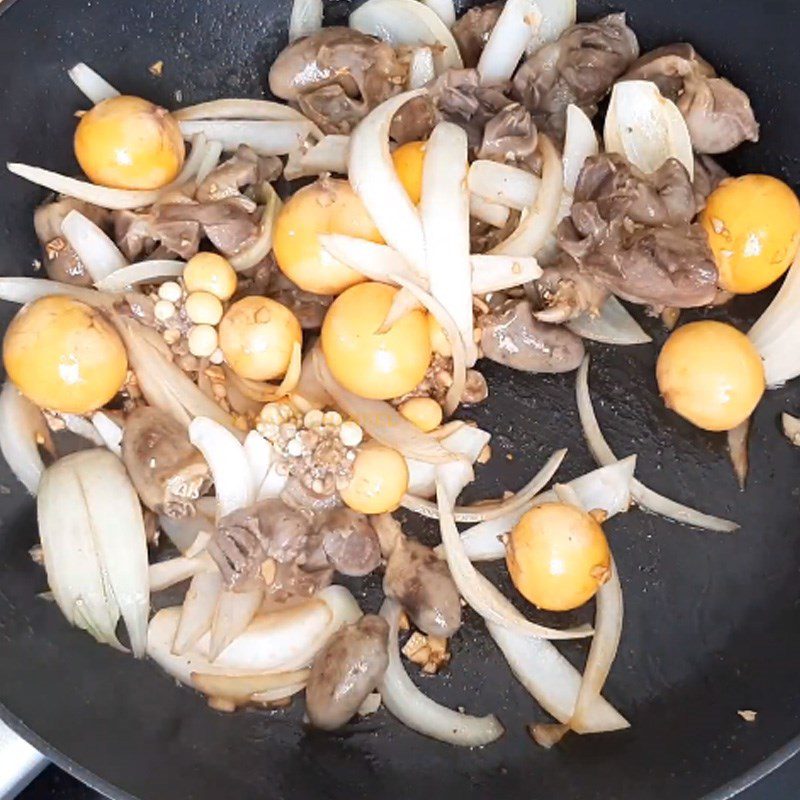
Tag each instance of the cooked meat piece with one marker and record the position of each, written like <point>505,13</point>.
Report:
<point>60,261</point>
<point>580,67</point>
<point>510,137</point>
<point>168,472</point>
<point>309,308</point>
<point>298,495</point>
<point>513,337</point>
<point>719,116</point>
<point>244,168</point>
<point>349,542</point>
<point>414,121</point>
<point>473,29</point>
<point>708,175</point>
<point>564,292</point>
<point>634,234</point>
<point>422,584</point>
<point>476,390</point>
<point>138,233</point>
<point>336,76</point>
<point>346,670</point>
<point>483,236</point>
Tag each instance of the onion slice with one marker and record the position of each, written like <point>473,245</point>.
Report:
<point>266,137</point>
<point>503,184</point>
<point>417,711</point>
<point>259,249</point>
<point>516,26</point>
<point>228,463</point>
<point>477,590</point>
<point>93,85</point>
<point>557,16</point>
<point>580,144</point>
<point>243,689</point>
<point>408,22</point>
<point>26,290</point>
<point>197,611</point>
<point>143,272</point>
<point>164,574</point>
<point>444,209</point>
<point>737,449</point>
<point>374,178</point>
<point>422,69</point>
<point>496,273</point>
<point>607,488</point>
<point>240,108</point>
<point>444,9</point>
<point>381,421</point>
<point>613,324</point>
<point>210,160</point>
<point>791,428</point>
<point>22,429</point>
<point>96,251</point>
<point>234,612</point>
<point>305,19</point>
<point>646,498</point>
<point>492,214</point>
<point>535,227</point>
<point>329,154</point>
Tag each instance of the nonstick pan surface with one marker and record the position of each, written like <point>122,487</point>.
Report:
<point>712,620</point>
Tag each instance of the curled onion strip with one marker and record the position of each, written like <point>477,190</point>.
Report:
<point>197,611</point>
<point>517,24</point>
<point>22,428</point>
<point>503,184</point>
<point>422,69</point>
<point>646,498</point>
<point>210,160</point>
<point>613,324</point>
<point>266,137</point>
<point>737,448</point>
<point>240,108</point>
<point>534,228</point>
<point>444,9</point>
<point>143,272</point>
<point>94,248</point>
<point>109,432</point>
<point>164,574</point>
<point>329,154</point>
<point>484,210</point>
<point>404,302</point>
<point>26,290</point>
<point>374,178</point>
<point>305,19</point>
<point>234,612</point>
<point>265,392</point>
<point>242,689</point>
<point>381,421</point>
<point>92,84</point>
<point>257,251</point>
<point>495,273</point>
<point>417,711</point>
<point>580,144</point>
<point>791,428</point>
<point>106,196</point>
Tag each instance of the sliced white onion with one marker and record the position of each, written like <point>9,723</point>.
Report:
<point>444,9</point>
<point>164,574</point>
<point>88,505</point>
<point>93,85</point>
<point>646,127</point>
<point>266,137</point>
<point>478,591</point>
<point>184,532</point>
<point>210,160</point>
<point>495,273</point>
<point>607,488</point>
<point>738,451</point>
<point>382,421</point>
<point>557,16</point>
<point>256,252</point>
<point>503,184</point>
<point>96,251</point>
<point>491,213</point>
<point>408,22</point>
<point>197,611</point>
<point>243,689</point>
<point>646,498</point>
<point>260,457</point>
<point>26,290</point>
<point>444,209</point>
<point>143,272</point>
<point>305,19</point>
<point>234,612</point>
<point>466,440</point>
<point>516,26</point>
<point>777,329</point>
<point>329,154</point>
<point>241,108</point>
<point>580,144</point>
<point>374,178</point>
<point>613,324</point>
<point>791,428</point>
<point>82,427</point>
<point>417,711</point>
<point>106,196</point>
<point>537,225</point>
<point>22,429</point>
<point>422,68</point>
<point>228,463</point>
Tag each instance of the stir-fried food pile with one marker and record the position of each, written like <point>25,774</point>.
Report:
<point>261,319</point>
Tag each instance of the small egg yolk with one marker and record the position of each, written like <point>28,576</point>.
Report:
<point>710,374</point>
<point>371,364</point>
<point>209,272</point>
<point>558,557</point>
<point>129,143</point>
<point>379,480</point>
<point>753,227</point>
<point>328,206</point>
<point>408,161</point>
<point>439,341</point>
<point>424,412</point>
<point>257,336</point>
<point>64,355</point>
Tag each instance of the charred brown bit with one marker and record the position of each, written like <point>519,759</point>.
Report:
<point>337,76</point>
<point>514,337</point>
<point>718,114</point>
<point>580,68</point>
<point>429,652</point>
<point>634,234</point>
<point>346,671</point>
<point>168,472</point>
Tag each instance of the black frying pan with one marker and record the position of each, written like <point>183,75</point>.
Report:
<point>712,620</point>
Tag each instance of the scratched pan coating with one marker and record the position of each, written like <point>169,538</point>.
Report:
<point>712,621</point>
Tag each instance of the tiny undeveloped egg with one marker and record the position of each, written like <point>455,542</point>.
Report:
<point>378,482</point>
<point>171,291</point>
<point>202,341</point>
<point>203,308</point>
<point>424,412</point>
<point>209,272</point>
